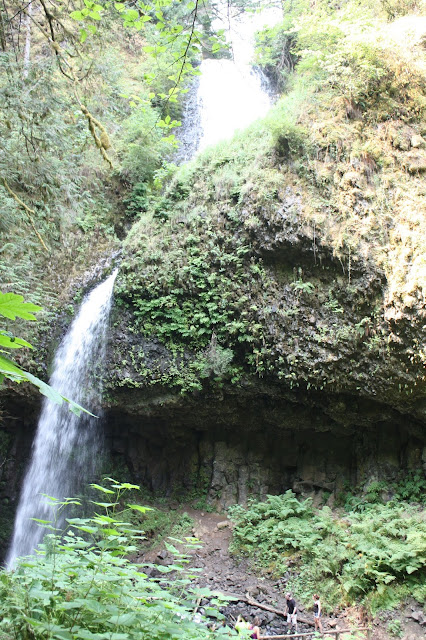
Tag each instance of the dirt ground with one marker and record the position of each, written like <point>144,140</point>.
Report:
<point>221,572</point>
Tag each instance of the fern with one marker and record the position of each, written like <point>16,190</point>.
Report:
<point>374,556</point>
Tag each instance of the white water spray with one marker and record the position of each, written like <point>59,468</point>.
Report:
<point>231,93</point>
<point>66,447</point>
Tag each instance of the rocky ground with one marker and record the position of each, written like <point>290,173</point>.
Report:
<point>259,595</point>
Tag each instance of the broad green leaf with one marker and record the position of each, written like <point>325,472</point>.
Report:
<point>40,521</point>
<point>103,519</point>
<point>12,306</point>
<point>85,634</point>
<point>105,505</point>
<point>87,529</point>
<point>131,15</point>
<point>138,507</point>
<point>127,485</point>
<point>125,619</point>
<point>76,15</point>
<point>99,488</point>
<point>16,374</point>
<point>10,342</point>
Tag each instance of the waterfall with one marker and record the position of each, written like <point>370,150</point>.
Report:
<point>66,447</point>
<point>231,94</point>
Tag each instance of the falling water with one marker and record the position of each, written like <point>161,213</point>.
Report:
<point>231,93</point>
<point>66,447</point>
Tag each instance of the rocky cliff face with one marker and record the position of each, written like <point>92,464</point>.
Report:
<point>248,352</point>
<point>250,356</point>
<point>19,421</point>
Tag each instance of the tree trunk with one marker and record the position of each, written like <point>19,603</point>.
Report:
<point>2,32</point>
<point>27,49</point>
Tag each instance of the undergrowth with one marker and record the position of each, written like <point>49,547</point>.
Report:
<point>81,583</point>
<point>159,525</point>
<point>375,557</point>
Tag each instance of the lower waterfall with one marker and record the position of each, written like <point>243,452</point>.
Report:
<point>66,447</point>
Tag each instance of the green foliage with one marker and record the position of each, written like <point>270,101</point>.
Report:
<point>395,628</point>
<point>407,487</point>
<point>156,283</point>
<point>395,8</point>
<point>159,525</point>
<point>141,146</point>
<point>48,154</point>
<point>345,52</point>
<point>274,45</point>
<point>376,556</point>
<point>137,201</point>
<point>304,287</point>
<point>411,486</point>
<point>81,583</point>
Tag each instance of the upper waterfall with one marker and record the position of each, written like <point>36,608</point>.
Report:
<point>231,92</point>
<point>66,447</point>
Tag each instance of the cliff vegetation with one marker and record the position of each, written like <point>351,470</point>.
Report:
<point>294,252</point>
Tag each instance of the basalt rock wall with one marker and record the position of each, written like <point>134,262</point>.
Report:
<point>229,446</point>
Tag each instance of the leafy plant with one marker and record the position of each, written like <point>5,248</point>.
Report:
<point>81,583</point>
<point>395,628</point>
<point>375,556</point>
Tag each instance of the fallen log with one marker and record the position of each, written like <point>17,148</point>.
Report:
<point>335,633</point>
<point>278,612</point>
<point>254,603</point>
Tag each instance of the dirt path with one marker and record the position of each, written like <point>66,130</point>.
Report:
<point>221,572</point>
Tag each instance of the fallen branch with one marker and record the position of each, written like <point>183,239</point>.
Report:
<point>197,604</point>
<point>254,603</point>
<point>278,612</point>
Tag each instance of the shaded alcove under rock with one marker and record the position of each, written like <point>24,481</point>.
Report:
<point>229,447</point>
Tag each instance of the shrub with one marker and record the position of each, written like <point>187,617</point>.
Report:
<point>376,556</point>
<point>81,584</point>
